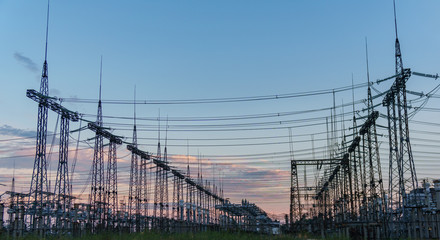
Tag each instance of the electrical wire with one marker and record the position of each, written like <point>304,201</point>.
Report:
<point>221,100</point>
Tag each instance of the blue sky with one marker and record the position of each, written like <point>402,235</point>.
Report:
<point>212,49</point>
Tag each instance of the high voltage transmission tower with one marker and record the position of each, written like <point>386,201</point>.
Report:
<point>402,173</point>
<point>111,196</point>
<point>295,201</point>
<point>97,188</point>
<point>109,209</point>
<point>164,189</point>
<point>178,207</point>
<point>134,207</point>
<point>134,186</point>
<point>62,196</point>
<point>157,209</point>
<point>160,208</point>
<point>350,198</point>
<point>111,186</point>
<point>144,190</point>
<point>39,191</point>
<point>142,185</point>
<point>39,185</point>
<point>370,148</point>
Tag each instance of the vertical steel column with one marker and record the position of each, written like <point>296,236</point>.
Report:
<point>96,197</point>
<point>165,204</point>
<point>133,196</point>
<point>144,192</point>
<point>295,202</point>
<point>39,184</point>
<point>62,185</point>
<point>156,214</point>
<point>112,188</point>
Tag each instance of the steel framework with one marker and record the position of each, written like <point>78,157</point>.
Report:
<point>97,188</point>
<point>39,184</point>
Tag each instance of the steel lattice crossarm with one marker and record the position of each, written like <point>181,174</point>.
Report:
<point>101,131</point>
<point>161,164</point>
<point>166,167</point>
<point>308,188</point>
<point>354,144</point>
<point>330,179</point>
<point>207,192</point>
<point>67,196</point>
<point>333,161</point>
<point>233,209</point>
<point>244,209</point>
<point>370,121</point>
<point>190,181</point>
<point>137,151</point>
<point>52,104</point>
<point>253,209</point>
<point>218,198</point>
<point>344,162</point>
<point>178,174</point>
<point>201,188</point>
<point>351,149</point>
<point>20,195</point>
<point>395,88</point>
<point>314,162</point>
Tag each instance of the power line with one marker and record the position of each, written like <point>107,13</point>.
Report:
<point>220,100</point>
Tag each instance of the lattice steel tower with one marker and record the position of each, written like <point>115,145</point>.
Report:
<point>158,188</point>
<point>402,174</point>
<point>165,204</point>
<point>144,187</point>
<point>376,190</point>
<point>39,185</point>
<point>133,191</point>
<point>295,201</point>
<point>62,194</point>
<point>97,191</point>
<point>111,203</point>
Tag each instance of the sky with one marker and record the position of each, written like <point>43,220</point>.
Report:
<point>182,50</point>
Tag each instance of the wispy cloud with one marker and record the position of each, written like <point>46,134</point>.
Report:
<point>11,131</point>
<point>27,62</point>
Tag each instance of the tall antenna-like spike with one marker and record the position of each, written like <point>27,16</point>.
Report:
<point>13,172</point>
<point>366,55</point>
<point>134,104</point>
<point>158,119</point>
<point>198,164</point>
<point>213,174</point>
<point>395,18</point>
<point>44,85</point>
<point>352,92</point>
<point>47,30</point>
<point>334,125</point>
<point>399,62</point>
<point>369,99</point>
<point>158,136</point>
<point>100,81</point>
<point>343,122</point>
<point>187,157</point>
<point>166,142</point>
<point>166,134</point>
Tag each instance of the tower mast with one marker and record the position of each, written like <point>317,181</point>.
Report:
<point>97,191</point>
<point>39,185</point>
